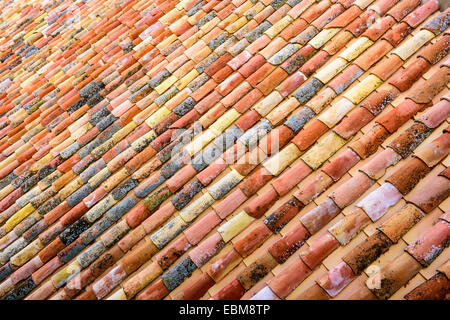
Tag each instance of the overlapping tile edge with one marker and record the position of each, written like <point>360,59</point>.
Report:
<point>97,200</point>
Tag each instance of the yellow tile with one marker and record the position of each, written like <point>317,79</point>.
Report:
<point>33,77</point>
<point>201,54</point>
<point>210,25</point>
<point>411,45</point>
<point>274,30</point>
<point>330,70</point>
<point>187,79</point>
<point>98,209</point>
<point>336,112</point>
<point>98,177</point>
<point>156,117</point>
<point>196,17</point>
<point>27,253</point>
<point>268,103</point>
<point>122,133</point>
<point>118,295</point>
<point>224,121</point>
<point>356,48</point>
<point>18,216</point>
<point>179,22</point>
<point>325,147</point>
<point>360,91</point>
<point>276,164</point>
<point>236,25</point>
<point>166,41</point>
<point>143,141</point>
<point>8,161</point>
<point>320,39</point>
<point>61,276</point>
<point>145,275</point>
<point>115,179</point>
<point>257,8</point>
<point>166,84</point>
<point>363,3</point>
<point>81,131</point>
<point>143,44</point>
<point>223,181</point>
<point>6,191</point>
<point>280,112</point>
<point>233,227</point>
<point>194,209</point>
<point>168,231</point>
<point>199,142</point>
<point>70,188</point>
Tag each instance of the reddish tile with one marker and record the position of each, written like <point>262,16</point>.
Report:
<point>380,26</point>
<point>318,184</point>
<point>234,96</point>
<point>336,279</point>
<point>255,181</point>
<point>339,166</point>
<point>350,125</point>
<point>284,183</point>
<point>291,83</point>
<point>434,116</point>
<point>286,281</point>
<point>232,291</point>
<point>315,63</point>
<point>435,288</point>
<point>431,195</point>
<point>194,288</point>
<point>202,227</point>
<point>271,81</point>
<point>229,84</point>
<point>362,23</point>
<point>318,217</point>
<point>345,18</point>
<point>260,74</point>
<point>404,79</point>
<point>206,249</point>
<point>395,118</point>
<point>283,214</point>
<point>367,252</point>
<point>309,134</point>
<point>252,240</point>
<point>368,144</point>
<point>286,246</point>
<point>259,205</point>
<point>247,121</point>
<point>248,101</point>
<point>212,171</point>
<point>351,190</point>
<point>156,291</point>
<point>402,8</point>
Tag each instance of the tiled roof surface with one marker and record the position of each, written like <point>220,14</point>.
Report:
<point>238,149</point>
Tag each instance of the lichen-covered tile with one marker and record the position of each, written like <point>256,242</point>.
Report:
<point>228,182</point>
<point>169,231</point>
